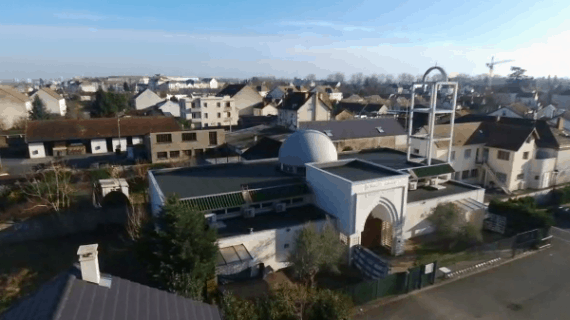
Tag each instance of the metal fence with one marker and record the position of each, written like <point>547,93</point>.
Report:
<point>448,267</point>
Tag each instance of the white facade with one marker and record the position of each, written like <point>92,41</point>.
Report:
<point>314,109</point>
<point>99,146</point>
<point>36,150</point>
<point>122,144</point>
<point>209,111</point>
<point>138,140</point>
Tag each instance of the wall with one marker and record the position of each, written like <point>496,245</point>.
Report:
<point>155,195</point>
<point>540,173</point>
<point>99,146</point>
<point>268,247</point>
<point>137,140</point>
<point>171,108</point>
<point>36,150</point>
<point>392,142</point>
<point>313,110</point>
<point>287,118</point>
<point>123,144</point>
<point>245,99</point>
<point>202,142</point>
<point>208,109</point>
<point>333,195</point>
<point>268,110</point>
<point>416,222</point>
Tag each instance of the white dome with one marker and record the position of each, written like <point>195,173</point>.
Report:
<point>307,146</point>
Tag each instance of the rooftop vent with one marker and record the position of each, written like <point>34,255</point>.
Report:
<point>328,133</point>
<point>380,129</point>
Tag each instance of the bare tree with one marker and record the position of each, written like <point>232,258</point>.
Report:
<point>357,79</point>
<point>337,77</point>
<point>51,188</point>
<point>311,77</point>
<point>137,216</point>
<point>405,78</point>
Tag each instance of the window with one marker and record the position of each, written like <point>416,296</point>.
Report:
<point>474,173</point>
<point>219,124</point>
<point>205,116</point>
<point>188,153</point>
<point>193,105</point>
<point>457,175</point>
<point>503,155</point>
<point>417,151</point>
<point>286,246</point>
<point>229,114</point>
<point>205,125</point>
<point>164,138</point>
<point>37,152</point>
<point>195,115</point>
<point>174,154</point>
<point>536,177</point>
<point>219,115</point>
<point>501,176</point>
<point>520,176</point>
<point>525,155</point>
<point>452,155</point>
<point>218,104</point>
<point>205,104</point>
<point>162,155</point>
<point>465,174</point>
<point>228,105</point>
<point>213,138</point>
<point>189,136</point>
<point>467,154</point>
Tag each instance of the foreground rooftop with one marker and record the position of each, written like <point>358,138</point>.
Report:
<point>451,188</point>
<point>356,170</point>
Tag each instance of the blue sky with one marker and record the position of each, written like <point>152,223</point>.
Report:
<point>289,38</point>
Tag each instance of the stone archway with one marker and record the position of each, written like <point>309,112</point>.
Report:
<point>378,232</point>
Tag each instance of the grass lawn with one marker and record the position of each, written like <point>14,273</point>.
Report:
<point>26,266</point>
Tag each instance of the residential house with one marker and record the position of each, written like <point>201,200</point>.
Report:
<point>245,97</point>
<point>209,111</point>
<point>262,90</point>
<point>548,112</point>
<point>363,109</point>
<point>265,109</point>
<point>52,100</point>
<point>361,134</point>
<point>169,108</point>
<point>182,145</point>
<point>333,93</point>
<point>14,105</point>
<point>344,115</point>
<point>303,106</point>
<point>146,99</point>
<point>84,292</point>
<point>513,111</point>
<point>507,95</point>
<point>565,120</point>
<point>211,83</point>
<point>510,153</point>
<point>353,99</point>
<point>278,93</point>
<point>91,136</point>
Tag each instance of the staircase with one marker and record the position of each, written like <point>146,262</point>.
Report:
<point>493,176</point>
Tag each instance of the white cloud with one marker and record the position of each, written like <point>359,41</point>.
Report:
<point>79,16</point>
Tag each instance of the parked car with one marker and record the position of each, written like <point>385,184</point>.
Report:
<point>562,212</point>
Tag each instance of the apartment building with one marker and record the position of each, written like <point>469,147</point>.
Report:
<point>209,111</point>
<point>181,145</point>
<point>512,154</point>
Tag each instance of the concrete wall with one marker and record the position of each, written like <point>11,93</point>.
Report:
<point>202,142</point>
<point>268,247</point>
<point>416,222</point>
<point>99,146</point>
<point>36,150</point>
<point>245,99</point>
<point>52,104</point>
<point>155,195</point>
<point>333,195</point>
<point>392,142</point>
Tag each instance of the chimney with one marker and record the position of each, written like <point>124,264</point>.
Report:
<point>255,138</point>
<point>498,118</point>
<point>89,263</point>
<point>315,102</point>
<point>560,124</point>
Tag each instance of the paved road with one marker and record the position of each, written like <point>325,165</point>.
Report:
<point>534,287</point>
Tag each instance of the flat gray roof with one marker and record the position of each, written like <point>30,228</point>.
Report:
<point>356,170</point>
<point>269,221</point>
<point>387,157</point>
<point>216,179</point>
<point>451,188</point>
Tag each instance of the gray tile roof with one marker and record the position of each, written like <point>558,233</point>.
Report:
<point>356,128</point>
<point>67,297</point>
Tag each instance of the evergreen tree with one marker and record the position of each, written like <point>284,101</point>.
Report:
<point>109,103</point>
<point>39,110</point>
<point>126,87</point>
<point>182,252</point>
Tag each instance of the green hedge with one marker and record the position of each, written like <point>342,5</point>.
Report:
<point>562,196</point>
<point>522,214</point>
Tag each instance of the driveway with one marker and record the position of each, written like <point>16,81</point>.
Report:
<point>534,287</point>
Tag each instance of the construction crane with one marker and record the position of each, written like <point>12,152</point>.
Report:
<point>491,66</point>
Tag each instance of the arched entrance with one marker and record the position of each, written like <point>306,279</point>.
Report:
<point>378,232</point>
